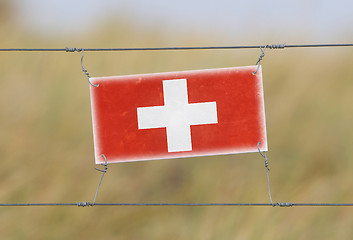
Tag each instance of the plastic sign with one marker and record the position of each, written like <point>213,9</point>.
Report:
<point>178,114</point>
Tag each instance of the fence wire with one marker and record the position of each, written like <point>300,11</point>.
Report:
<point>268,46</point>
<point>88,204</point>
<point>93,204</point>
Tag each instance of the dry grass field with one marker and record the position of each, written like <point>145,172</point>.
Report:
<point>46,145</point>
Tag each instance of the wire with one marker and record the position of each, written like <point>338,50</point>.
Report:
<point>273,46</point>
<point>104,171</point>
<point>87,204</point>
<point>35,204</point>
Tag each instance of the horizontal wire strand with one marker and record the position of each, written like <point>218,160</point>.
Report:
<point>86,204</point>
<point>272,46</point>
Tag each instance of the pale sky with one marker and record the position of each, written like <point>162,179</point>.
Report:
<point>315,20</point>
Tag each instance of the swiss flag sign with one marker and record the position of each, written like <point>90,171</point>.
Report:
<point>178,114</point>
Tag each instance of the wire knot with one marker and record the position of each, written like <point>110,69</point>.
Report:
<point>105,164</point>
<point>263,48</point>
<point>84,70</point>
<point>263,154</point>
<point>260,59</point>
<point>68,49</point>
<point>283,204</point>
<point>84,204</point>
<point>276,46</point>
<point>267,164</point>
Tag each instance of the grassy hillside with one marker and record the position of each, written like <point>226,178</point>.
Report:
<point>47,146</point>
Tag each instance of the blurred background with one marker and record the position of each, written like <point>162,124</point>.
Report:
<point>46,138</point>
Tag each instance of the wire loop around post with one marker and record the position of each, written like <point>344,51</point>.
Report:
<point>84,70</point>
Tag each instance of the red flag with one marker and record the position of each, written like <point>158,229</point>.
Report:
<point>178,114</point>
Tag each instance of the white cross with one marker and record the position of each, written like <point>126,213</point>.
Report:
<point>177,115</point>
